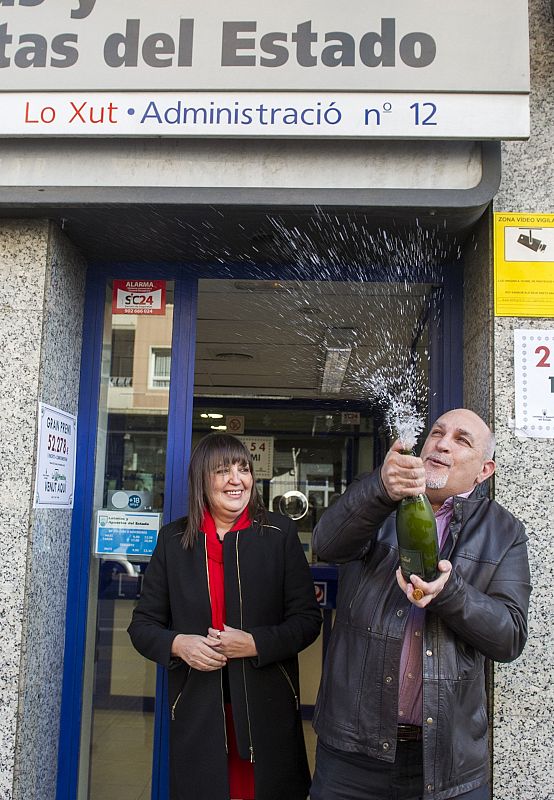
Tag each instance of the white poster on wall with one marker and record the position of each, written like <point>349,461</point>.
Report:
<point>55,473</point>
<point>534,382</point>
<point>261,450</point>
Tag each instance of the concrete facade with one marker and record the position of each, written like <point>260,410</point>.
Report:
<point>42,280</point>
<point>523,692</point>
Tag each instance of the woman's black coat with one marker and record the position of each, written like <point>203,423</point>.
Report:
<point>269,593</point>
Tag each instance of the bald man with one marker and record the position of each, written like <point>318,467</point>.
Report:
<point>401,712</point>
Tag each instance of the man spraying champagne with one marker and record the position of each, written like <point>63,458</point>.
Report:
<point>401,710</point>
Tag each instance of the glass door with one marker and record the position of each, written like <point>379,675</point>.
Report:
<point>117,730</point>
<point>280,362</point>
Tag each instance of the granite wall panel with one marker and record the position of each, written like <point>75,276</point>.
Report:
<point>41,299</point>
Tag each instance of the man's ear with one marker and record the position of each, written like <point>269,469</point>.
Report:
<point>486,470</point>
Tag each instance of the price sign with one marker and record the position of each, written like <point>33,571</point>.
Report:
<point>138,297</point>
<point>534,379</point>
<point>261,450</point>
<point>55,473</point>
<point>126,534</point>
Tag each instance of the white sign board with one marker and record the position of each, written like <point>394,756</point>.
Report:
<point>124,533</point>
<point>406,68</point>
<point>55,472</point>
<point>534,382</point>
<point>261,450</point>
<point>207,45</point>
<point>412,115</point>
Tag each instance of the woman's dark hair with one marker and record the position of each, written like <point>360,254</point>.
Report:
<point>211,453</point>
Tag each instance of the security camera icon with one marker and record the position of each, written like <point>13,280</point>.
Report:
<point>531,242</point>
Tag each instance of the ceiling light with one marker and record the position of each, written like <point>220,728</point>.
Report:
<point>233,356</point>
<point>261,286</point>
<point>338,347</point>
<point>218,427</point>
<point>336,362</point>
<point>249,396</point>
<point>211,415</point>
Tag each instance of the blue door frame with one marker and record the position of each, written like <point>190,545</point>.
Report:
<point>178,453</point>
<point>446,381</point>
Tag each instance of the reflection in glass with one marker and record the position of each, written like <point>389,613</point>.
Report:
<point>293,504</point>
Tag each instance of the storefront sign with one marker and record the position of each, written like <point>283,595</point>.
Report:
<point>414,69</point>
<point>125,533</point>
<point>534,380</point>
<point>524,265</point>
<point>378,116</point>
<point>138,297</point>
<point>261,450</point>
<point>55,472</point>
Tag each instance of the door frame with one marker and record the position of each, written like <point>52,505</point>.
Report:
<point>177,458</point>
<point>446,391</point>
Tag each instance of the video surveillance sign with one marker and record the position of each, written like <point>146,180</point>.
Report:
<point>524,265</point>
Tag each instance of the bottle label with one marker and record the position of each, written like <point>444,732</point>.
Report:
<point>411,562</point>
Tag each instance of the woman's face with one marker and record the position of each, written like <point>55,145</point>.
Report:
<point>230,490</point>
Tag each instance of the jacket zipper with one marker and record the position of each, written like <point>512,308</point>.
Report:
<point>251,748</point>
<point>223,710</point>
<point>174,706</point>
<point>286,674</point>
<point>220,671</point>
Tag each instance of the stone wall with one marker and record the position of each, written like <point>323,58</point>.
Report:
<point>41,298</point>
<point>524,693</point>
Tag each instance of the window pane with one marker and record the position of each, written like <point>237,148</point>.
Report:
<point>119,686</point>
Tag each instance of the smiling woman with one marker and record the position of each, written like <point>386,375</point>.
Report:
<point>230,491</point>
<point>228,603</point>
<point>221,479</point>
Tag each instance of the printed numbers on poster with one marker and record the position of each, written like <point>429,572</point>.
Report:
<point>254,446</point>
<point>57,444</point>
<point>546,355</point>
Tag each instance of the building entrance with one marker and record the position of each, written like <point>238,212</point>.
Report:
<point>285,364</point>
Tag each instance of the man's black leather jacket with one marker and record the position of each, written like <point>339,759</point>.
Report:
<point>481,613</point>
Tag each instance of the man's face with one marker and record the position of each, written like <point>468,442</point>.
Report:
<point>454,454</point>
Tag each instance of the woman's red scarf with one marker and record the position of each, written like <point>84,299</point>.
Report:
<point>241,772</point>
<point>214,548</point>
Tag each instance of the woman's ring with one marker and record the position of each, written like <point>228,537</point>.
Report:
<point>418,594</point>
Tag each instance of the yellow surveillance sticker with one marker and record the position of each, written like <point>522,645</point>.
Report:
<point>524,265</point>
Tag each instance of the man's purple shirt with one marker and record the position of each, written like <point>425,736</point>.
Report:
<point>410,699</point>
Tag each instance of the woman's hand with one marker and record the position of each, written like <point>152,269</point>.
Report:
<point>232,642</point>
<point>198,652</point>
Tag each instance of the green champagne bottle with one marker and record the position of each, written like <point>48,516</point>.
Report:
<point>416,531</point>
